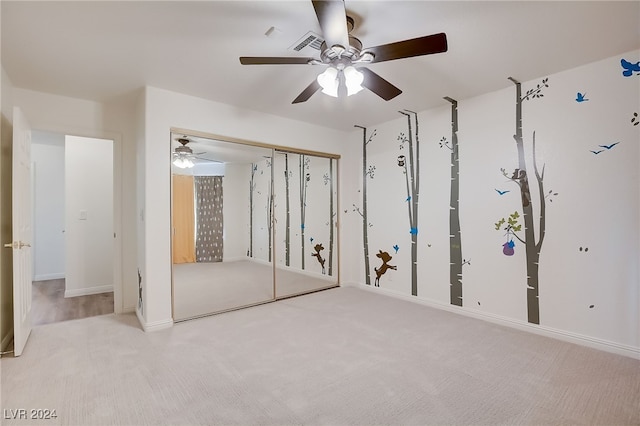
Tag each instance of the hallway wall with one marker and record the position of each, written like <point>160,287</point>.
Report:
<point>47,158</point>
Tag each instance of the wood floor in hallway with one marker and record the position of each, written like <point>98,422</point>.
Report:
<point>49,304</point>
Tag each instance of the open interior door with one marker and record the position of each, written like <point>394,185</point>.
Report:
<point>21,230</point>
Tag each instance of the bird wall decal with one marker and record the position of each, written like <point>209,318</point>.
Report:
<point>629,67</point>
<point>581,97</point>
<point>502,192</point>
<point>609,146</point>
<point>597,152</point>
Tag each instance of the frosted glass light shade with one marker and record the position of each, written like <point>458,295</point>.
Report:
<point>328,80</point>
<point>353,80</point>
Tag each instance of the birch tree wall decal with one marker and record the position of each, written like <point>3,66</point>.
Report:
<point>287,242</point>
<point>455,240</point>
<point>303,164</point>
<point>412,175</point>
<point>270,208</point>
<point>252,187</point>
<point>329,181</point>
<point>520,176</point>
<point>363,213</point>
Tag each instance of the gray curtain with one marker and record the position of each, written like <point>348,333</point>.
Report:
<point>208,218</point>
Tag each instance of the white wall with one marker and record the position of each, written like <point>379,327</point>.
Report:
<point>592,202</point>
<point>47,158</point>
<point>260,223</point>
<point>165,109</point>
<point>140,182</point>
<point>235,186</point>
<point>117,120</point>
<point>88,215</point>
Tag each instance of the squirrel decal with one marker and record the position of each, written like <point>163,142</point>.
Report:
<point>318,248</point>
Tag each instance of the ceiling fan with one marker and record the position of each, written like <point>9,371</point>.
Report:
<point>344,56</point>
<point>183,156</point>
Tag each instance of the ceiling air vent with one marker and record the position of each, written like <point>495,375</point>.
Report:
<point>309,40</point>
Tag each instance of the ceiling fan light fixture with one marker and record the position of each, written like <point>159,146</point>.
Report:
<point>328,80</point>
<point>353,80</point>
<point>183,163</point>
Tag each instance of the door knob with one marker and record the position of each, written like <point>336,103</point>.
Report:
<point>21,244</point>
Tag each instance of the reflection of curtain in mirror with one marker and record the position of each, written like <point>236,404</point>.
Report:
<point>209,218</point>
<point>184,248</point>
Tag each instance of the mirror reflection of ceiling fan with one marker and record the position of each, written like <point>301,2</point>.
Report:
<point>183,156</point>
<point>344,56</point>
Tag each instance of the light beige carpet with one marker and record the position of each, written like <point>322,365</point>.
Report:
<point>203,288</point>
<point>338,357</point>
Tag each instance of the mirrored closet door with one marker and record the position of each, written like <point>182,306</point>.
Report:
<point>221,224</point>
<point>305,212</point>
<point>250,224</point>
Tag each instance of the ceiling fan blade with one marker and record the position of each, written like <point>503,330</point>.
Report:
<point>260,60</point>
<point>207,159</point>
<point>378,85</point>
<point>332,18</point>
<point>427,45</point>
<point>307,93</point>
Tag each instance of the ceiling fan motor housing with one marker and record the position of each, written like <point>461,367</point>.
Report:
<point>336,54</point>
<point>183,149</point>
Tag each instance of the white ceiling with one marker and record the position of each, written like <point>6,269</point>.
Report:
<point>225,152</point>
<point>102,50</point>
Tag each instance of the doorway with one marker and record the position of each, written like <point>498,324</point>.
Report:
<point>73,227</point>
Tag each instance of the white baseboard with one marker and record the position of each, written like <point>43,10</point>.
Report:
<point>6,340</point>
<point>566,336</point>
<point>260,261</point>
<point>128,310</point>
<point>87,291</point>
<point>46,277</point>
<point>157,325</point>
<point>235,258</point>
<point>309,273</point>
<point>153,326</point>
